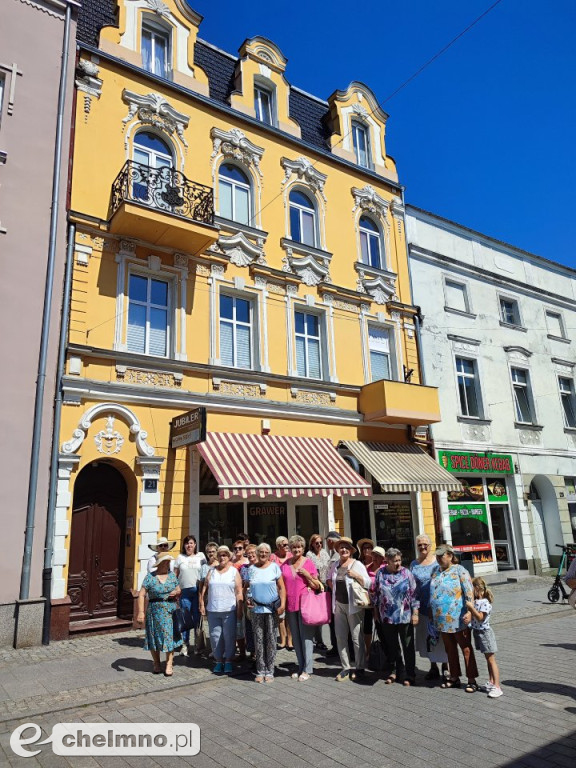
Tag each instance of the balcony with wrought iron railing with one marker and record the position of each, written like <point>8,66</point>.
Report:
<point>163,207</point>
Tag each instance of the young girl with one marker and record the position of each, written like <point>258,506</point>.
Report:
<point>484,638</point>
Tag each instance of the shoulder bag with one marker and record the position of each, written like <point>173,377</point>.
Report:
<point>315,607</point>
<point>361,594</point>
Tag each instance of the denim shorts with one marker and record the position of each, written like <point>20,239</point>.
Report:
<point>485,640</point>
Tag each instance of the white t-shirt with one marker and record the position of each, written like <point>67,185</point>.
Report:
<point>189,569</point>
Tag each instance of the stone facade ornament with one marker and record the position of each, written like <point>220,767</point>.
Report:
<point>476,433</point>
<point>530,437</point>
<point>369,201</point>
<point>303,169</point>
<point>361,111</point>
<point>109,441</point>
<point>235,145</point>
<point>88,82</point>
<point>181,260</point>
<point>153,109</point>
<point>377,283</point>
<point>159,7</point>
<point>310,267</point>
<point>79,434</point>
<point>241,251</point>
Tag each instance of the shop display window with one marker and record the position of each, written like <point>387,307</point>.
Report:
<point>266,521</point>
<point>394,527</point>
<point>306,520</point>
<point>360,519</point>
<point>220,522</point>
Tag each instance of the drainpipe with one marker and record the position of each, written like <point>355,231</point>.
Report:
<point>49,539</point>
<point>430,442</point>
<point>45,333</point>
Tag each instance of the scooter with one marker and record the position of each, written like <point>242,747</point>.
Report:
<point>558,586</point>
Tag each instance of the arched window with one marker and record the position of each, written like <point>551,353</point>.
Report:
<point>150,181</point>
<point>371,243</point>
<point>234,193</point>
<point>302,219</point>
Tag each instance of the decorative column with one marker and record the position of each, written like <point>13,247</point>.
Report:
<point>149,501</point>
<point>66,465</point>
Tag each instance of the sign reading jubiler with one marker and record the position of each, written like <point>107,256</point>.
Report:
<point>188,429</point>
<point>460,461</point>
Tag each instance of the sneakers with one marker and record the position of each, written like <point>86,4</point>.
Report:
<point>294,675</point>
<point>488,686</point>
<point>218,668</point>
<point>184,649</point>
<point>495,693</point>
<point>303,677</point>
<point>228,668</point>
<point>343,676</point>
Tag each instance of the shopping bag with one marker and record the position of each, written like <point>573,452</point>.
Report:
<point>181,621</point>
<point>315,607</point>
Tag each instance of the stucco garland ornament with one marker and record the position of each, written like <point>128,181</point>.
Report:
<point>153,109</point>
<point>235,145</point>
<point>303,169</point>
<point>79,434</point>
<point>368,200</point>
<point>108,440</point>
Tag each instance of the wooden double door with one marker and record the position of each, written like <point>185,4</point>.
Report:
<point>97,543</point>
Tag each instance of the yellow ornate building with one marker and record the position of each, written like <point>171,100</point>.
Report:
<point>239,246</point>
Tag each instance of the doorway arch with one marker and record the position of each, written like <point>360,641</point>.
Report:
<point>546,519</point>
<point>96,563</point>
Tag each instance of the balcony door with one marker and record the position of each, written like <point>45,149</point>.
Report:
<point>152,179</point>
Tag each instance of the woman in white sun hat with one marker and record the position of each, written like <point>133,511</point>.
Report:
<point>162,545</point>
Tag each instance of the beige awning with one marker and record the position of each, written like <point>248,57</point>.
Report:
<point>402,467</point>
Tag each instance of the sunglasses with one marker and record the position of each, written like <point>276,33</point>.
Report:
<point>237,549</point>
<point>163,546</point>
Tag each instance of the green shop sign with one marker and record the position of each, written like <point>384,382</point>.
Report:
<point>460,462</point>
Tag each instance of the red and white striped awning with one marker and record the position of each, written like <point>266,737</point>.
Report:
<point>266,465</point>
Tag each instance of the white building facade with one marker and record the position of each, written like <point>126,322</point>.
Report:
<point>498,337</point>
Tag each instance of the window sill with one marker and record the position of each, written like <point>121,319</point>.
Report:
<point>371,271</point>
<point>533,427</point>
<point>513,326</point>
<point>563,339</point>
<point>305,250</point>
<point>473,420</point>
<point>460,312</point>
<point>570,430</point>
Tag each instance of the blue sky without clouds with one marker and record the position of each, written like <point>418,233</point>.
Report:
<point>485,136</point>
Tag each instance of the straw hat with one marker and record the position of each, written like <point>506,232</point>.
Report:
<point>162,540</point>
<point>161,558</point>
<point>345,540</point>
<point>361,543</point>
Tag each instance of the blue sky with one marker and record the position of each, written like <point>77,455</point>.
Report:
<point>485,136</point>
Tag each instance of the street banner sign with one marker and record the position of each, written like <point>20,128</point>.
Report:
<point>188,429</point>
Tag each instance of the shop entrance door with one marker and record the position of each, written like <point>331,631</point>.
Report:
<point>96,547</point>
<point>539,533</point>
<point>502,538</point>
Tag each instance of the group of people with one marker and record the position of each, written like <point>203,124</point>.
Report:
<point>251,599</point>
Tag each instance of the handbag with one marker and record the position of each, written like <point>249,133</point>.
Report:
<point>377,657</point>
<point>315,607</point>
<point>181,621</point>
<point>361,595</point>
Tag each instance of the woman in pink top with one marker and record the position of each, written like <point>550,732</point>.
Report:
<point>281,555</point>
<point>299,573</point>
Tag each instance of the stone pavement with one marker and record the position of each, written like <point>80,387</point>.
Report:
<point>318,723</point>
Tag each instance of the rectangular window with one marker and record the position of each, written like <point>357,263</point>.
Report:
<point>360,141</point>
<point>555,325</point>
<point>567,396</point>
<point>236,331</point>
<point>509,312</point>
<point>155,48</point>
<point>380,358</point>
<point>522,395</point>
<point>468,388</point>
<point>308,345</point>
<point>148,326</point>
<point>263,104</point>
<point>456,296</point>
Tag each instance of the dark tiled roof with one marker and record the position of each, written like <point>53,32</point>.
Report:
<point>92,16</point>
<point>308,113</point>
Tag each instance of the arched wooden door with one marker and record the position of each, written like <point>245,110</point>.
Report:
<point>97,543</point>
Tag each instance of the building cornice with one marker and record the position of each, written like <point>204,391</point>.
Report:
<point>240,117</point>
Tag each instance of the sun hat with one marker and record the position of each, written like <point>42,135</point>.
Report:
<point>361,543</point>
<point>444,549</point>
<point>162,540</point>
<point>161,557</point>
<point>379,551</point>
<point>224,548</point>
<point>345,540</point>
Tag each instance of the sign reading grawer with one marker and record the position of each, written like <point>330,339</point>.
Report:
<point>188,429</point>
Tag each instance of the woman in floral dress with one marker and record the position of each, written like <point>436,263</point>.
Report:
<point>162,589</point>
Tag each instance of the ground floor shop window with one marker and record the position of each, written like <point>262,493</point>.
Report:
<point>360,520</point>
<point>394,527</point>
<point>306,520</point>
<point>266,521</point>
<point>221,522</point>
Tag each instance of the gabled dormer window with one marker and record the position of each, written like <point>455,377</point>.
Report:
<point>155,49</point>
<point>361,144</point>
<point>264,104</point>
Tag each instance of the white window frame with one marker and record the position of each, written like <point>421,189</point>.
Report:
<point>260,89</point>
<point>465,292</point>
<point>370,233</point>
<point>235,185</point>
<point>512,300</point>
<point>477,386</point>
<point>169,280</point>
<point>322,342</point>
<point>252,300</point>
<point>155,30</point>
<point>556,314</point>
<point>529,395</point>
<point>356,128</point>
<point>300,208</point>
<point>393,364</point>
<point>567,393</point>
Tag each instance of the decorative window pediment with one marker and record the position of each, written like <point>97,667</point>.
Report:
<point>369,201</point>
<point>303,170</point>
<point>520,354</point>
<point>310,264</point>
<point>154,110</point>
<point>235,145</point>
<point>241,251</point>
<point>377,283</point>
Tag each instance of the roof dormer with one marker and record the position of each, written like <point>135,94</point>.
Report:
<point>158,36</point>
<point>261,90</point>
<point>358,126</point>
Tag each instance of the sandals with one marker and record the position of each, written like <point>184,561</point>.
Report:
<point>390,679</point>
<point>409,683</point>
<point>471,688</point>
<point>168,672</point>
<point>156,670</point>
<point>259,679</point>
<point>449,683</point>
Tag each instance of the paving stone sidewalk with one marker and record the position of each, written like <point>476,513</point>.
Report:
<point>319,723</point>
